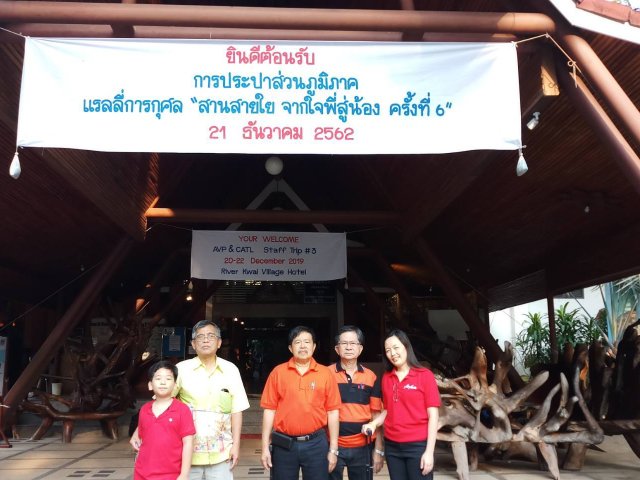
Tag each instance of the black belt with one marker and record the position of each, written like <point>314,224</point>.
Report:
<point>306,438</point>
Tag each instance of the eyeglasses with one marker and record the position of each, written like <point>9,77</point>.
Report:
<point>209,336</point>
<point>348,344</point>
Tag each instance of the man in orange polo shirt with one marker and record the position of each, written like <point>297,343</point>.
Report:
<point>361,401</point>
<point>300,399</point>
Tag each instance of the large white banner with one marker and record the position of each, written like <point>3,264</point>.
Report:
<point>140,95</point>
<point>298,256</point>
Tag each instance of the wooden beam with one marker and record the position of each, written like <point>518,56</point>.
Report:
<point>106,31</point>
<point>272,216</point>
<point>604,82</point>
<point>76,311</point>
<point>553,338</point>
<point>270,18</point>
<point>153,287</point>
<point>539,90</point>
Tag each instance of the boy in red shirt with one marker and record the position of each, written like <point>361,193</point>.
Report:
<point>165,428</point>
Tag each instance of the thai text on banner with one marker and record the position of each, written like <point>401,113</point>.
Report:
<point>241,96</point>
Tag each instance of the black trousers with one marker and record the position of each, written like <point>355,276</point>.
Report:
<point>309,456</point>
<point>403,460</point>
<point>356,460</point>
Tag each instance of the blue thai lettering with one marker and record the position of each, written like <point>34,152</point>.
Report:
<point>369,109</point>
<point>424,105</point>
<point>343,109</point>
<point>278,82</point>
<point>106,106</point>
<point>87,105</point>
<point>204,105</point>
<point>355,108</point>
<point>117,101</point>
<point>199,80</point>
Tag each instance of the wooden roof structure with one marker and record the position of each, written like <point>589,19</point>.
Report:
<point>571,221</point>
<point>460,222</point>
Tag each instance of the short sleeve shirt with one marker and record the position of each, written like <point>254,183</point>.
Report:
<point>406,404</point>
<point>212,397</point>
<point>361,396</point>
<point>301,402</point>
<point>160,455</point>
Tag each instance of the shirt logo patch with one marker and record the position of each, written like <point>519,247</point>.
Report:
<point>410,387</point>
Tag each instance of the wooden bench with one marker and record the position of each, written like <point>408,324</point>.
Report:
<point>50,414</point>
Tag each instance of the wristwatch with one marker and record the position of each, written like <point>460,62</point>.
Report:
<point>379,452</point>
<point>335,452</point>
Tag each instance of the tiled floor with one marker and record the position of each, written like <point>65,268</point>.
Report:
<point>92,456</point>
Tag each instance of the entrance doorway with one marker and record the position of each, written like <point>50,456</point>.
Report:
<point>260,344</point>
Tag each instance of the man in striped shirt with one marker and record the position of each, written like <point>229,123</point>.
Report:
<point>361,402</point>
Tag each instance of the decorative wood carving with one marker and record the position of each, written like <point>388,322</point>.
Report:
<point>474,410</point>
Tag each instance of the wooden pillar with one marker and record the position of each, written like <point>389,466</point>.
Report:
<point>459,301</point>
<point>76,311</point>
<point>553,339</point>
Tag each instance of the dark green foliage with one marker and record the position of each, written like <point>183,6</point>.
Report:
<point>533,342</point>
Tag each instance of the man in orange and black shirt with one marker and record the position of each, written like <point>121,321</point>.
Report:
<point>361,401</point>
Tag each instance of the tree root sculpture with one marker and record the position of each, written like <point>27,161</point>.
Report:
<point>475,411</point>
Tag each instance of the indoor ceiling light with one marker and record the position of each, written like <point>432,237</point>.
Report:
<point>534,121</point>
<point>189,296</point>
<point>274,165</point>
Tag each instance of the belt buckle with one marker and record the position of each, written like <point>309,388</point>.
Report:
<point>303,438</point>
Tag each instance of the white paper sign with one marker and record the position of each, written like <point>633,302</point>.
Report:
<point>276,256</point>
<point>142,95</point>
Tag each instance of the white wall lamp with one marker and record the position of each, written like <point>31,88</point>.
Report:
<point>534,121</point>
<point>521,167</point>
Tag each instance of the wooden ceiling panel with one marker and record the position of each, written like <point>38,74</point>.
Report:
<point>523,223</point>
<point>515,237</point>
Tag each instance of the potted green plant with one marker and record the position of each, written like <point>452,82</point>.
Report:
<point>533,341</point>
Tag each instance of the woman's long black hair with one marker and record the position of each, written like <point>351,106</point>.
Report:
<point>412,360</point>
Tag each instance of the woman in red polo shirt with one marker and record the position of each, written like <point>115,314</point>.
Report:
<point>411,400</point>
